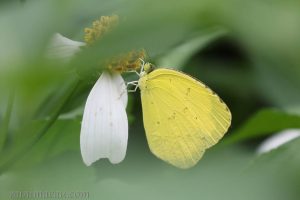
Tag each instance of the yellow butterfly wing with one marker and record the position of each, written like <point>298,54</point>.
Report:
<point>182,116</point>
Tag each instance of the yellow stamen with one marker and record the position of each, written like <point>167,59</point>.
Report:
<point>121,63</point>
<point>99,28</point>
<point>127,62</point>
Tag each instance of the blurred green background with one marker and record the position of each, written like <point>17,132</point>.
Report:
<point>246,51</point>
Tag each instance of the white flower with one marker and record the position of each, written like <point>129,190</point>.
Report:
<point>104,129</point>
<point>63,48</point>
<point>277,140</point>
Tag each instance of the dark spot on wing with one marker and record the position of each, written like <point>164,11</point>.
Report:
<point>188,91</point>
<point>173,116</point>
<point>185,109</point>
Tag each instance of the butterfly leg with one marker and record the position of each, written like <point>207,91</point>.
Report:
<point>135,83</point>
<point>133,71</point>
<point>142,67</point>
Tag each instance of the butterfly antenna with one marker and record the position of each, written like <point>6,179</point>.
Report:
<point>142,67</point>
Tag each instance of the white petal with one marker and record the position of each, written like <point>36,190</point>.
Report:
<point>121,87</point>
<point>63,48</point>
<point>277,140</point>
<point>104,129</point>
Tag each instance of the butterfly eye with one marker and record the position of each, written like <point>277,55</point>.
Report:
<point>148,67</point>
<point>152,67</point>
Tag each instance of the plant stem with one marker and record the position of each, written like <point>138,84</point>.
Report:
<point>5,125</point>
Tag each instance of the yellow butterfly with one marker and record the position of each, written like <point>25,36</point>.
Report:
<point>182,116</point>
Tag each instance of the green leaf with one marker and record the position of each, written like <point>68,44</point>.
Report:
<point>272,78</point>
<point>34,132</point>
<point>4,127</point>
<point>283,163</point>
<point>277,159</point>
<point>263,123</point>
<point>178,56</point>
<point>62,137</point>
